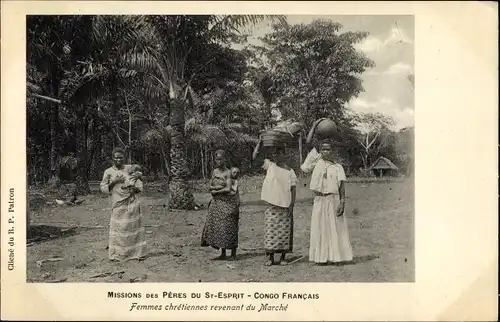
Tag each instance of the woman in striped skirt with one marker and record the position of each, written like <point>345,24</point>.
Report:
<point>278,190</point>
<point>127,239</point>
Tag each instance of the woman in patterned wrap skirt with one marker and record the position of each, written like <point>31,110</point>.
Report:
<point>222,224</point>
<point>278,190</point>
<point>127,237</point>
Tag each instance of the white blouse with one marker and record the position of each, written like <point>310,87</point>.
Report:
<point>326,176</point>
<point>277,184</point>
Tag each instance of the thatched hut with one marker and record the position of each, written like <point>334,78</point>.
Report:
<point>384,167</point>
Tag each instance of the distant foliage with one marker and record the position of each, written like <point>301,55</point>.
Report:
<point>313,69</point>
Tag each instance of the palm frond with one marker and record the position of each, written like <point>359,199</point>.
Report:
<point>89,82</point>
<point>240,139</point>
<point>152,137</point>
<point>207,134</point>
<point>226,24</point>
<point>193,126</point>
<point>237,127</point>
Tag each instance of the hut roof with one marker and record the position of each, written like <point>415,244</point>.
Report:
<point>383,163</point>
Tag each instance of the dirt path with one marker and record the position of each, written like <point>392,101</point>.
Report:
<point>380,222</point>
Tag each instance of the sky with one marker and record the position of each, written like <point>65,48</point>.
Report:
<point>390,45</point>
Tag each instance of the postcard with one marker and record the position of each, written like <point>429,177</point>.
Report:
<point>249,161</point>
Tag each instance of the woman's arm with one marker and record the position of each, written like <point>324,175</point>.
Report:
<point>341,207</point>
<point>310,135</point>
<point>293,191</point>
<point>216,187</point>
<point>256,152</point>
<point>227,187</point>
<point>213,186</point>
<point>107,183</point>
<point>342,192</point>
<point>342,178</point>
<point>257,148</point>
<point>138,187</point>
<point>311,160</point>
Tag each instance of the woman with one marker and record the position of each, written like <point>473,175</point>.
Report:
<point>329,239</point>
<point>278,190</point>
<point>126,233</point>
<point>222,224</point>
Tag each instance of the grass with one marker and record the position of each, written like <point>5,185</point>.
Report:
<point>380,218</point>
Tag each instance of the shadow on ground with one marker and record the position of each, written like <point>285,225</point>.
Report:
<point>41,233</point>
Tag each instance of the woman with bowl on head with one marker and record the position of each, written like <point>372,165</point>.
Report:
<point>278,190</point>
<point>222,224</point>
<point>127,238</point>
<point>329,239</point>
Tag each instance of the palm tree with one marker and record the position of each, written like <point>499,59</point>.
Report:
<point>168,66</point>
<point>44,65</point>
<point>81,60</point>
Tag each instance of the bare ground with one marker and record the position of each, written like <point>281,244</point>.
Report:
<point>380,218</point>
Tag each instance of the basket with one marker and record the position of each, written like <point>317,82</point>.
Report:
<point>279,139</point>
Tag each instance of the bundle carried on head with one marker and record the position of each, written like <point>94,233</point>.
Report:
<point>285,134</point>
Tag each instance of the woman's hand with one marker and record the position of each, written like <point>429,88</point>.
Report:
<point>118,179</point>
<point>114,181</point>
<point>340,209</point>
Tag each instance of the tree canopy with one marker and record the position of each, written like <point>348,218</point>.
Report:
<point>312,70</point>
<point>172,89</point>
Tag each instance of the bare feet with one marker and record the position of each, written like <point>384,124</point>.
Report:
<point>283,263</point>
<point>223,255</point>
<point>270,260</point>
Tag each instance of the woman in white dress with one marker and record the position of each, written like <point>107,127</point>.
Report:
<point>329,239</point>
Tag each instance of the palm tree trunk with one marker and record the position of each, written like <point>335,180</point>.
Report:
<point>205,157</point>
<point>129,154</point>
<point>165,162</point>
<point>82,182</point>
<point>181,196</point>
<point>202,164</point>
<point>54,133</point>
<point>54,111</point>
